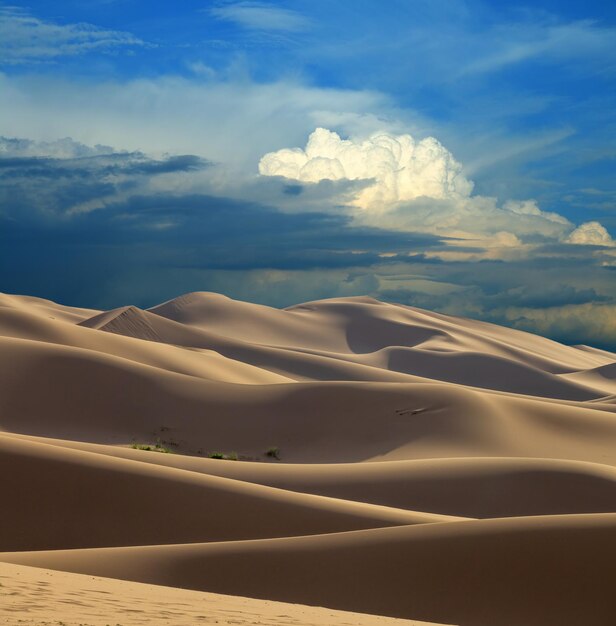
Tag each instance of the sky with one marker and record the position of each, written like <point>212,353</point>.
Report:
<point>452,155</point>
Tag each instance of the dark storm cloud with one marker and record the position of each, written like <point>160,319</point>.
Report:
<point>293,190</point>
<point>207,231</point>
<point>522,296</point>
<point>182,163</point>
<point>169,235</point>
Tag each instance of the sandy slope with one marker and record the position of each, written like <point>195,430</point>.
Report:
<point>137,503</point>
<point>532,571</point>
<point>431,467</point>
<point>465,487</point>
<point>35,596</point>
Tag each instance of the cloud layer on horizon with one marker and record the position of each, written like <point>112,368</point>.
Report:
<point>112,227</point>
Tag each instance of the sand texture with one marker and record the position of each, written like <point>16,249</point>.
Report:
<point>38,597</point>
<point>421,467</point>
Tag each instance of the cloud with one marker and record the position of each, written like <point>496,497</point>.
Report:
<point>402,168</point>
<point>591,234</point>
<point>529,207</point>
<point>27,39</point>
<point>589,323</point>
<point>518,42</point>
<point>192,242</point>
<point>65,177</point>
<point>261,16</point>
<point>474,220</point>
<point>180,115</point>
<point>418,185</point>
<point>65,148</point>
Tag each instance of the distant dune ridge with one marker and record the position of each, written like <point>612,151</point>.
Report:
<point>420,466</point>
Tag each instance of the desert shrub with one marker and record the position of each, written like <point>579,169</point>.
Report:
<point>273,453</point>
<point>155,448</point>
<point>232,456</point>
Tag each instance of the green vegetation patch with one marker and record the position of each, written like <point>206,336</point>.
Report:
<point>231,456</point>
<point>273,453</point>
<point>157,447</point>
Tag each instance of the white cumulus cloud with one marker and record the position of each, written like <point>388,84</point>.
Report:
<point>591,234</point>
<point>401,167</point>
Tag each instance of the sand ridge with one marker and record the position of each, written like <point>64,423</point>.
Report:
<point>420,466</point>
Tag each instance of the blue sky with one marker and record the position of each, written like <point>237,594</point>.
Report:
<point>134,134</point>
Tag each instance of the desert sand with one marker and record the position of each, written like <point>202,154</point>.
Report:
<point>421,467</point>
<point>37,597</point>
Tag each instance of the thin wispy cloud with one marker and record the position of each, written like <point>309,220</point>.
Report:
<point>28,39</point>
<point>510,44</point>
<point>261,17</point>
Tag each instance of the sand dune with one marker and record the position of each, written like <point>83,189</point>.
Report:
<point>398,341</point>
<point>338,421</point>
<point>36,595</point>
<point>532,571</point>
<point>362,325</point>
<point>464,487</point>
<point>45,309</point>
<point>138,503</point>
<point>602,377</point>
<point>425,467</point>
<point>597,352</point>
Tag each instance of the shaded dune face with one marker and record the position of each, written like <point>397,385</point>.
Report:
<point>506,571</point>
<point>420,466</point>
